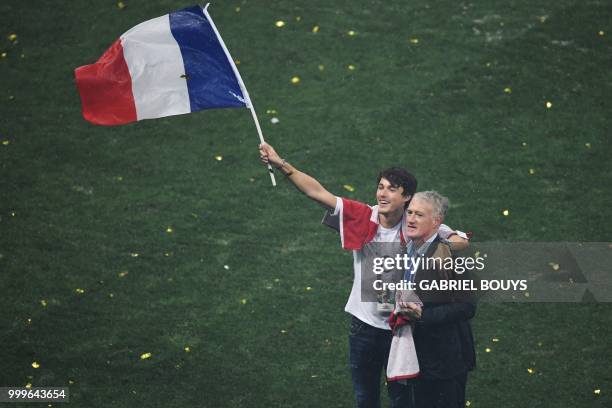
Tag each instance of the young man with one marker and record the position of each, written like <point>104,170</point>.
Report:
<point>361,228</point>
<point>442,333</point>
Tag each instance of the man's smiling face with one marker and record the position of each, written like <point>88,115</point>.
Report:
<point>421,220</point>
<point>390,198</point>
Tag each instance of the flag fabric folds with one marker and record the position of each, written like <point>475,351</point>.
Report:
<point>169,65</point>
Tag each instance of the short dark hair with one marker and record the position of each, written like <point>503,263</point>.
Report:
<point>400,177</point>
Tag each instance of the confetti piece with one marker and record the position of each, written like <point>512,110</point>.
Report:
<point>601,33</point>
<point>6,142</point>
<point>508,90</point>
<point>28,385</point>
<point>145,356</point>
<point>271,111</point>
<point>122,274</point>
<point>70,382</point>
<point>3,55</point>
<point>295,80</point>
<point>298,18</point>
<point>321,67</point>
<point>554,266</point>
<point>237,9</point>
<point>169,230</point>
<point>119,178</point>
<point>414,41</point>
<point>352,33</point>
<point>543,19</point>
<point>134,254</point>
<point>43,303</point>
<point>314,376</point>
<point>548,105</point>
<point>111,295</point>
<point>506,213</point>
<point>12,37</point>
<point>79,291</point>
<point>237,61</point>
<point>468,403</point>
<point>530,370</point>
<point>274,120</point>
<point>167,254</point>
<point>540,344</point>
<point>487,350</point>
<point>351,67</point>
<point>121,5</point>
<point>495,340</point>
<point>280,23</point>
<point>283,331</point>
<point>488,65</point>
<point>532,171</point>
<point>226,267</point>
<point>597,391</point>
<point>29,321</point>
<point>243,301</point>
<point>252,179</point>
<point>524,144</point>
<point>348,187</point>
<point>587,145</point>
<point>315,29</point>
<point>187,349</point>
<point>218,158</point>
<point>35,364</point>
<point>308,288</point>
<point>526,294</point>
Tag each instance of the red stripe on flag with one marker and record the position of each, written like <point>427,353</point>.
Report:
<point>106,89</point>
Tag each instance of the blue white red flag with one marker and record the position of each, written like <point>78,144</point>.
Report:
<point>169,65</point>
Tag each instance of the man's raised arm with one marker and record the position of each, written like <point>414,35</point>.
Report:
<point>305,183</point>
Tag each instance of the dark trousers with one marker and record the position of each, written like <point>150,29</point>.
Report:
<point>368,354</point>
<point>448,393</point>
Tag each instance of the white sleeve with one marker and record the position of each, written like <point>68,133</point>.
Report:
<point>445,232</point>
<point>338,208</point>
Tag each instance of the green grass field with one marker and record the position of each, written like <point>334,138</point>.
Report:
<point>171,248</point>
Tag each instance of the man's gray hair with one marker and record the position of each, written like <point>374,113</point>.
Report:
<point>437,201</point>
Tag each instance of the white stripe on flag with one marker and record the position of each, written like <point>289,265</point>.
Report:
<point>155,63</point>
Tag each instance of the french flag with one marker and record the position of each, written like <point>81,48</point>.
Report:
<point>169,65</point>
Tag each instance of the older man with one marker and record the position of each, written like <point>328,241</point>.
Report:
<point>442,334</point>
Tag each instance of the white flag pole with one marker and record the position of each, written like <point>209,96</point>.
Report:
<point>245,93</point>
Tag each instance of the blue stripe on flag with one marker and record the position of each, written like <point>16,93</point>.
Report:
<point>210,78</point>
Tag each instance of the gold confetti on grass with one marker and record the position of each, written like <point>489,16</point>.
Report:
<point>351,67</point>
<point>548,104</point>
<point>414,40</point>
<point>352,33</point>
<point>187,349</point>
<point>28,385</point>
<point>468,403</point>
<point>321,67</point>
<point>587,145</point>
<point>237,61</point>
<point>597,391</point>
<point>348,187</point>
<point>3,55</point>
<point>145,356</point>
<point>43,303</point>
<point>495,340</point>
<point>237,9</point>
<point>308,288</point>
<point>123,274</point>
<point>134,254</point>
<point>555,266</point>
<point>295,80</point>
<point>531,370</point>
<point>169,230</point>
<point>508,90</point>
<point>218,158</point>
<point>243,301</point>
<point>6,142</point>
<point>12,37</point>
<point>488,350</point>
<point>506,213</point>
<point>35,364</point>
<point>279,24</point>
<point>532,171</point>
<point>315,29</point>
<point>79,291</point>
<point>601,33</point>
<point>121,5</point>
